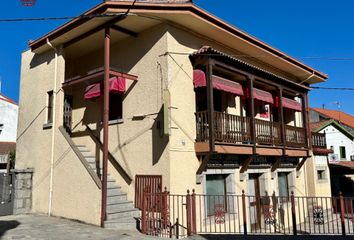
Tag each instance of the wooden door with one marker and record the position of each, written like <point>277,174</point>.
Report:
<point>255,201</point>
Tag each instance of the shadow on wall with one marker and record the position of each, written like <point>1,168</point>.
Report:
<point>39,59</point>
<point>7,225</point>
<point>159,138</point>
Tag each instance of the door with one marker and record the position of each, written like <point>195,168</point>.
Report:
<point>255,201</point>
<point>6,194</point>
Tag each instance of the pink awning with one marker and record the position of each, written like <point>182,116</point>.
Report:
<point>263,96</point>
<point>291,104</point>
<point>116,86</point>
<point>219,83</point>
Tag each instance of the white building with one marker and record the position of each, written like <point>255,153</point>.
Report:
<point>8,129</point>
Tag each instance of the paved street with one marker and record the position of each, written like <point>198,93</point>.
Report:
<point>42,227</point>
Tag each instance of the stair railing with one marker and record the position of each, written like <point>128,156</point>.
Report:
<point>111,158</point>
<point>81,157</point>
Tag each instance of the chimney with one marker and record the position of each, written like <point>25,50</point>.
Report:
<point>153,1</point>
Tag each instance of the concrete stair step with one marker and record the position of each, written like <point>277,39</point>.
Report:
<point>114,192</point>
<point>112,224</point>
<point>120,206</point>
<point>117,198</point>
<point>123,214</point>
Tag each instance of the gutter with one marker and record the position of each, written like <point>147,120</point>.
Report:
<point>53,128</point>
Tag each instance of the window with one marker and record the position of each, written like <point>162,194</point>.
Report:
<point>50,107</point>
<point>1,127</point>
<point>321,174</point>
<point>215,191</point>
<point>115,107</point>
<point>342,152</point>
<point>283,184</point>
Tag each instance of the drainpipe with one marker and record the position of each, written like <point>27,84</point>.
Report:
<point>53,128</point>
<point>311,76</point>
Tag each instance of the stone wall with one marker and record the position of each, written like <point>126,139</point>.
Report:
<point>23,190</point>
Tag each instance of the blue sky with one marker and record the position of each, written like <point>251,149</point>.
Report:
<point>302,28</point>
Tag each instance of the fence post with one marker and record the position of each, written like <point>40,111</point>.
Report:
<point>293,213</point>
<point>194,213</point>
<point>189,214</point>
<point>143,214</point>
<point>341,202</point>
<point>244,212</point>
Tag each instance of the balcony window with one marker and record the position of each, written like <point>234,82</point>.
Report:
<point>115,107</point>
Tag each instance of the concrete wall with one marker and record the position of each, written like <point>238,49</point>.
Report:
<point>8,117</point>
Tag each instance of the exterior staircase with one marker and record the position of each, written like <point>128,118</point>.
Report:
<point>121,214</point>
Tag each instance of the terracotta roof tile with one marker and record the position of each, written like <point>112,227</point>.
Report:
<point>339,116</point>
<point>346,164</point>
<point>316,125</point>
<point>6,99</point>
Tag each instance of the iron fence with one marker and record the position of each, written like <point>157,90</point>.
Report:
<point>178,216</point>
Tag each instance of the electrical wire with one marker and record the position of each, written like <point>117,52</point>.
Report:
<point>334,88</point>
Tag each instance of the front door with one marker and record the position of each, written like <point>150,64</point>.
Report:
<point>255,201</point>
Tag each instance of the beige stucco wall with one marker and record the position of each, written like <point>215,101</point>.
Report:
<point>316,187</point>
<point>34,148</point>
<point>136,144</point>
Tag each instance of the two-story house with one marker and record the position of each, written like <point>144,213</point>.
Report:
<point>159,94</point>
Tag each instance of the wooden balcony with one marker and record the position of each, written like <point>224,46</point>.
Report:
<point>319,140</point>
<point>231,129</point>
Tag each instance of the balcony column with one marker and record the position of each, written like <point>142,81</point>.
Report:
<point>281,118</point>
<point>252,111</point>
<point>305,120</point>
<point>107,41</point>
<point>210,105</point>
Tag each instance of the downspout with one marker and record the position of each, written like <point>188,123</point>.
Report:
<point>53,128</point>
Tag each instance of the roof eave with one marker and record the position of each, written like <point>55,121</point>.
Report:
<point>101,8</point>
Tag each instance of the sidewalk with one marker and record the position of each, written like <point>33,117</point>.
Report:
<point>42,227</point>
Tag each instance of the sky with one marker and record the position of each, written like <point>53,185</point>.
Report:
<point>318,32</point>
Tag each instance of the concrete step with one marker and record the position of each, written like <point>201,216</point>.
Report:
<point>83,149</point>
<point>124,214</point>
<point>120,206</point>
<point>88,155</point>
<point>116,225</point>
<point>116,198</point>
<point>114,192</point>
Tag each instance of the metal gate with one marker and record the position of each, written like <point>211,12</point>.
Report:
<point>6,194</point>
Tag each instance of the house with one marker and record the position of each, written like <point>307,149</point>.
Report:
<point>8,130</point>
<point>321,114</point>
<point>340,158</point>
<point>114,106</point>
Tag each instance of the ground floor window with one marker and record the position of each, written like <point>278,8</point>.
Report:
<point>216,192</point>
<point>283,184</point>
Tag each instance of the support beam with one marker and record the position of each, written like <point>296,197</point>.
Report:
<point>95,30</point>
<point>107,42</point>
<point>301,163</point>
<point>124,30</point>
<point>210,106</point>
<point>305,109</point>
<point>281,118</point>
<point>304,120</point>
<point>276,164</point>
<point>252,111</point>
<point>204,164</point>
<point>247,163</point>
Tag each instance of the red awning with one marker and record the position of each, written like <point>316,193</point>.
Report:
<point>218,83</point>
<point>116,85</point>
<point>263,96</point>
<point>290,103</point>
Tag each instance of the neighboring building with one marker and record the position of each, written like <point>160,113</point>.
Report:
<point>163,63</point>
<point>341,158</point>
<point>321,114</point>
<point>8,130</point>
